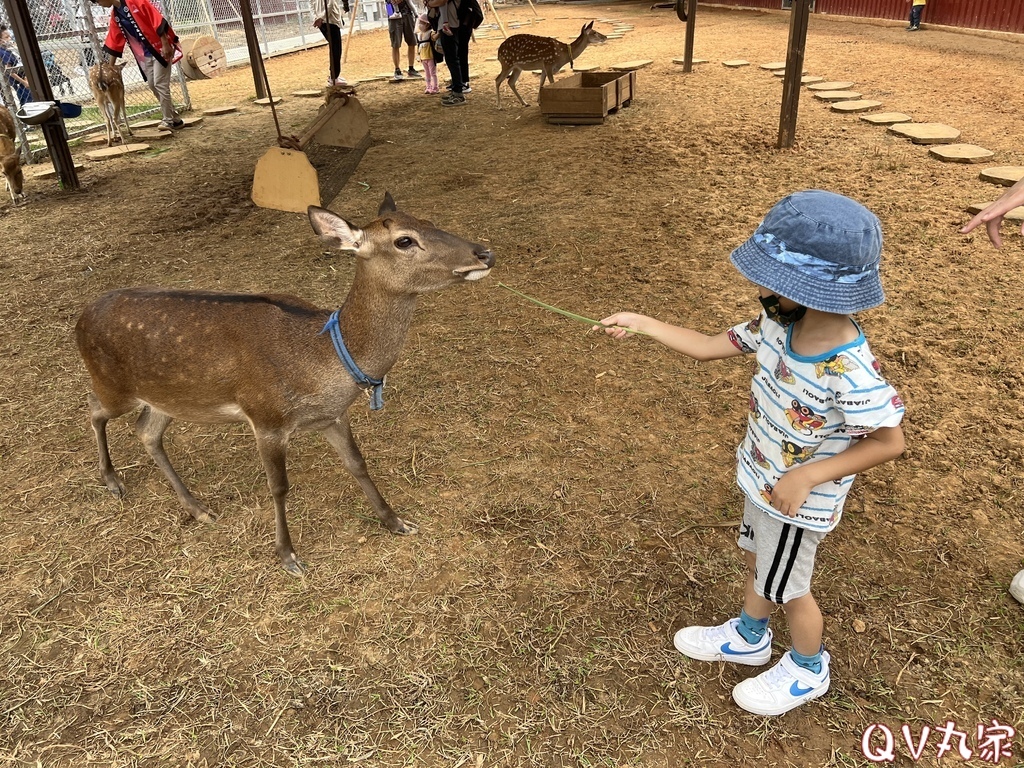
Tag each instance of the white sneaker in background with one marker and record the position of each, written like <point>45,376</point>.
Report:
<point>723,643</point>
<point>1017,587</point>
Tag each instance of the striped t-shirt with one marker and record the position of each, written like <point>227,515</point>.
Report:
<point>805,409</point>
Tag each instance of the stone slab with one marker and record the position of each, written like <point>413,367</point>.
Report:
<point>308,94</point>
<point>96,138</point>
<point>587,68</point>
<point>773,65</point>
<point>1004,175</point>
<point>926,133</point>
<point>886,118</point>
<point>151,134</point>
<point>631,66</point>
<point>782,73</point>
<point>266,102</point>
<point>45,170</point>
<point>108,152</point>
<point>859,105</point>
<point>695,62</point>
<point>831,85</point>
<point>811,79</point>
<point>836,95</point>
<point>214,111</point>
<point>145,124</point>
<point>192,121</point>
<point>734,63</point>
<point>960,153</point>
<point>1014,214</point>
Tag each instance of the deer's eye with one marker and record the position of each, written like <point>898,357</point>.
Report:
<point>404,242</point>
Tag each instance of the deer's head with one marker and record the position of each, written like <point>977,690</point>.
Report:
<point>404,254</point>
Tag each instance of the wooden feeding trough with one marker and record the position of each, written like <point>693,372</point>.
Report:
<point>586,98</point>
<point>312,168</point>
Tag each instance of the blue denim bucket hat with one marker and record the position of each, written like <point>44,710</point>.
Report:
<point>818,249</point>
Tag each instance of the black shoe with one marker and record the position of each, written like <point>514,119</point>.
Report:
<point>414,73</point>
<point>453,100</point>
<point>399,75</point>
<point>913,29</point>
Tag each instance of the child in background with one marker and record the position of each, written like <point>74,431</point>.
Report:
<point>425,37</point>
<point>820,412</point>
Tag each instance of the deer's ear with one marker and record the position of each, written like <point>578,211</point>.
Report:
<point>587,27</point>
<point>334,230</point>
<point>388,205</point>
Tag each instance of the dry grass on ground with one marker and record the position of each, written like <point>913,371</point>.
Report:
<point>572,492</point>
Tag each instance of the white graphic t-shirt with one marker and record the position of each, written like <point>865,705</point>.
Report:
<point>805,409</point>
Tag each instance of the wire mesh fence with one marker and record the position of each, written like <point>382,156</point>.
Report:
<point>71,35</point>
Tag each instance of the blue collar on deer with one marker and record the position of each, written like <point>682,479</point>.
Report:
<point>375,386</point>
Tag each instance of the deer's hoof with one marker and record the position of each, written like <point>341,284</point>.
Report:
<point>293,565</point>
<point>200,513</point>
<point>115,486</point>
<point>405,527</point>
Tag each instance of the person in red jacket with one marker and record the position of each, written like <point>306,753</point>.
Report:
<point>139,24</point>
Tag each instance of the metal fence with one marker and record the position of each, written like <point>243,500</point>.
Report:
<point>71,35</point>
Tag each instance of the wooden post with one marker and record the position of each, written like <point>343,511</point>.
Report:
<point>259,74</point>
<point>691,23</point>
<point>351,29</point>
<point>497,18</point>
<point>794,73</point>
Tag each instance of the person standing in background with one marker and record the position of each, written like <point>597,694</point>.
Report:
<point>916,8</point>
<point>328,19</point>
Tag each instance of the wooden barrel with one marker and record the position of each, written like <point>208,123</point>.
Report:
<point>203,57</point>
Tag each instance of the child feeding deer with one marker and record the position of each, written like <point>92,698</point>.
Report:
<point>547,54</point>
<point>277,362</point>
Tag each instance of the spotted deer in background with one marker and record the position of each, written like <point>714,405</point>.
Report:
<point>108,87</point>
<point>9,158</point>
<point>547,54</point>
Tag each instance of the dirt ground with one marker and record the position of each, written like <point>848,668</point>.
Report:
<point>575,495</point>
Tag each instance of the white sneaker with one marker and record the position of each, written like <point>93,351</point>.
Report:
<point>1017,587</point>
<point>723,643</point>
<point>785,686</point>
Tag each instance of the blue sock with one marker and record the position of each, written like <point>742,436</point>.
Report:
<point>813,663</point>
<point>750,629</point>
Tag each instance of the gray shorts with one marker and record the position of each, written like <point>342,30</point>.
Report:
<point>400,29</point>
<point>784,552</point>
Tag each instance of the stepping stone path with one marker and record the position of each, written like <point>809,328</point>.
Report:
<point>926,133</point>
<point>108,152</point>
<point>310,94</point>
<point>832,85</point>
<point>860,105</point>
<point>213,111</point>
<point>1004,175</point>
<point>145,124</point>
<point>734,63</point>
<point>97,138</point>
<point>151,135</point>
<point>45,170</point>
<point>774,65</point>
<point>836,95</point>
<point>629,66</point>
<point>886,118</point>
<point>1014,214</point>
<point>960,153</point>
<point>266,102</point>
<point>811,79</point>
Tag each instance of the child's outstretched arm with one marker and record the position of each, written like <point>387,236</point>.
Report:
<point>878,447</point>
<point>691,343</point>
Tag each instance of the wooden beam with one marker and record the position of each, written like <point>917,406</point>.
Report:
<point>39,83</point>
<point>259,73</point>
<point>794,72</point>
<point>691,16</point>
<point>351,29</point>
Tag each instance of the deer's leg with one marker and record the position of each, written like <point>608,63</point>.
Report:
<point>339,435</point>
<point>150,428</point>
<point>100,415</point>
<point>124,119</point>
<point>512,84</point>
<point>497,83</point>
<point>109,123</point>
<point>273,447</point>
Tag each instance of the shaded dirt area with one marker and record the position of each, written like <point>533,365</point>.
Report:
<point>573,493</point>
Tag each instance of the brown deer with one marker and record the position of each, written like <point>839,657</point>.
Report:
<point>107,86</point>
<point>268,359</point>
<point>547,54</point>
<point>10,160</point>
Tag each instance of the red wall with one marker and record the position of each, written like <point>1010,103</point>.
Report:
<point>1001,15</point>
